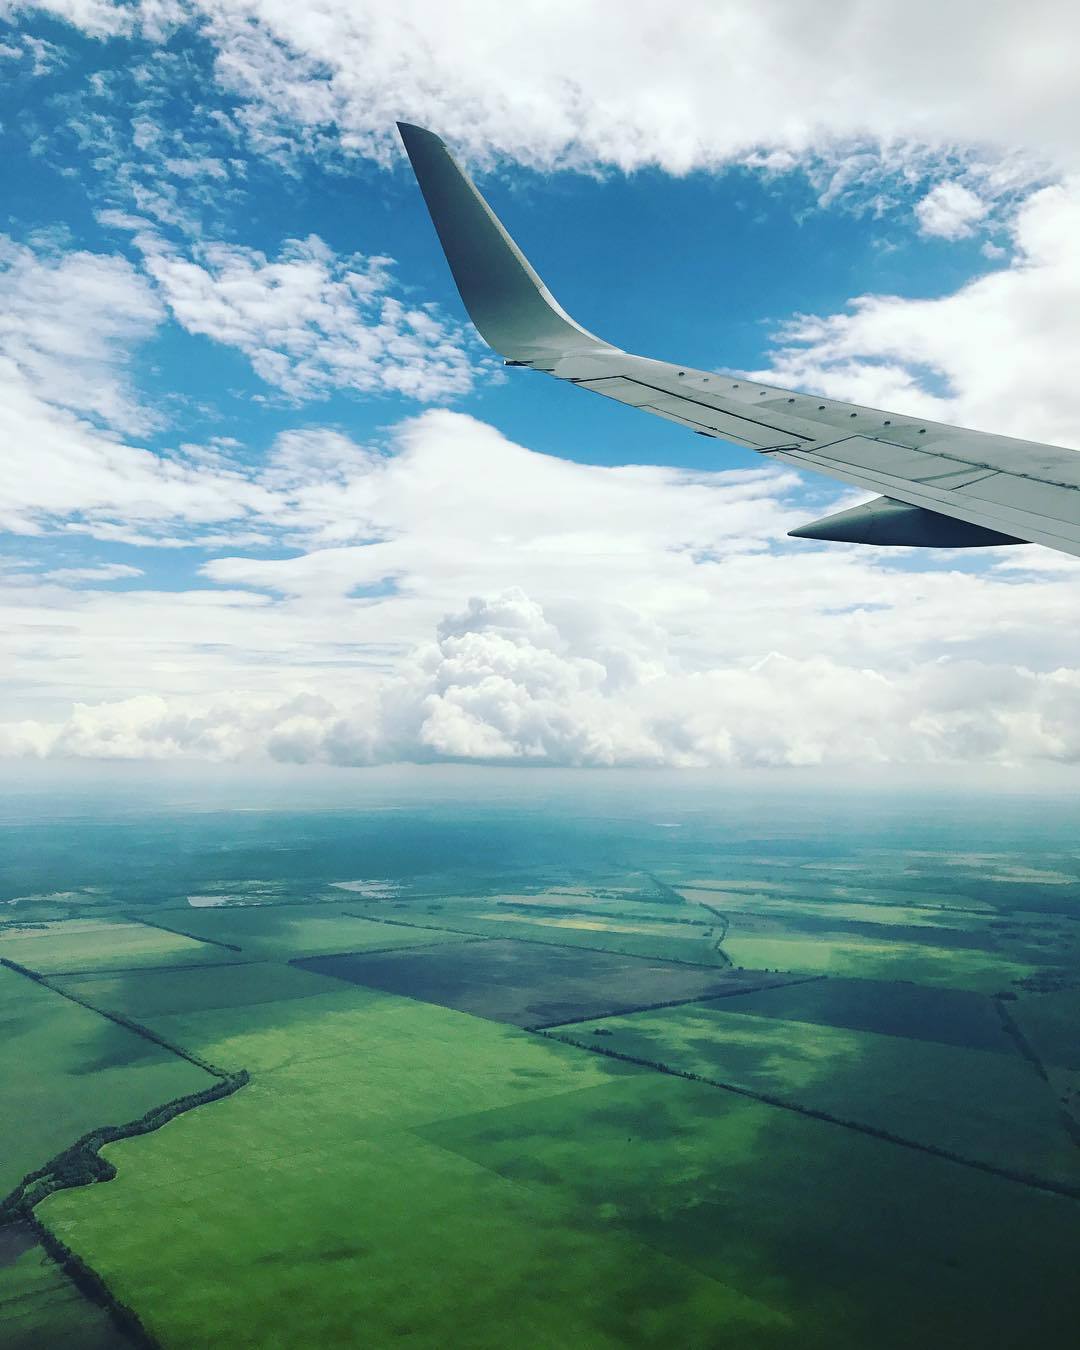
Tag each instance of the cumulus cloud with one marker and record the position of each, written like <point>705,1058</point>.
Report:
<point>502,684</point>
<point>452,596</point>
<point>1000,351</point>
<point>309,321</point>
<point>950,211</point>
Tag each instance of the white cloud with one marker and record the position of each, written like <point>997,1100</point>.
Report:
<point>705,85</point>
<point>103,572</point>
<point>949,211</point>
<point>502,684</point>
<point>688,89</point>
<point>309,321</point>
<point>597,616</point>
<point>67,323</point>
<point>1002,349</point>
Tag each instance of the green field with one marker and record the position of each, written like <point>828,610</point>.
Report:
<point>65,1070</point>
<point>548,1196</point>
<point>890,1007</point>
<point>863,911</point>
<point>635,937</point>
<point>150,995</point>
<point>295,930</point>
<point>978,1104</point>
<point>398,1172</point>
<point>362,1204</point>
<point>40,1308</point>
<point>863,958</point>
<point>103,944</point>
<point>829,1228</point>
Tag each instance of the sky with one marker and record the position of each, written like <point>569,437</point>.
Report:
<point>268,500</point>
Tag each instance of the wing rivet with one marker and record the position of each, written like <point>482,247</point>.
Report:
<point>734,386</point>
<point>853,414</point>
<point>886,423</point>
<point>922,431</point>
<point>681,374</point>
<point>791,400</point>
<point>821,407</point>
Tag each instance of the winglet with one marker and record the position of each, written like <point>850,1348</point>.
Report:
<point>511,307</point>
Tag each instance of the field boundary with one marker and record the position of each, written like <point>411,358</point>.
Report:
<point>1062,1188</point>
<point>674,1003</point>
<point>177,932</point>
<point>81,1162</point>
<point>542,942</point>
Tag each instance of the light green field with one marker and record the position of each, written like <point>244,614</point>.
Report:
<point>65,1070</point>
<point>588,923</point>
<point>862,958</point>
<point>297,930</point>
<point>95,944</point>
<point>342,1217</point>
<point>406,1167</point>
<point>149,995</point>
<point>863,912</point>
<point>815,891</point>
<point>679,942</point>
<point>976,1103</point>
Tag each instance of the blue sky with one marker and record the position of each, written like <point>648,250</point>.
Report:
<point>261,506</point>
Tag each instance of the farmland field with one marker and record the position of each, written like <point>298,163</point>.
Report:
<point>103,944</point>
<point>892,1008</point>
<point>65,1070</point>
<point>531,985</point>
<point>287,930</point>
<point>446,1137</point>
<point>977,1104</point>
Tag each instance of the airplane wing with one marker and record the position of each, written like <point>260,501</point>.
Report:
<point>940,486</point>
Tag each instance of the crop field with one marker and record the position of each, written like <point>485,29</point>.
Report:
<point>891,1008</point>
<point>365,1207</point>
<point>531,985</point>
<point>261,931</point>
<point>690,942</point>
<point>591,1203</point>
<point>789,1212</point>
<point>863,958</point>
<point>483,1097</point>
<point>977,1104</point>
<point>65,1070</point>
<point>96,944</point>
<point>859,911</point>
<point>148,995</point>
<point>40,1308</point>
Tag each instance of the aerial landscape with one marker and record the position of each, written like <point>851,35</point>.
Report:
<point>585,1078</point>
<point>489,868</point>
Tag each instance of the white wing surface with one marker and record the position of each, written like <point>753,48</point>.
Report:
<point>940,486</point>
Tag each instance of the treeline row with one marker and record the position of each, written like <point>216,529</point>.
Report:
<point>82,1163</point>
<point>128,1023</point>
<point>90,1284</point>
